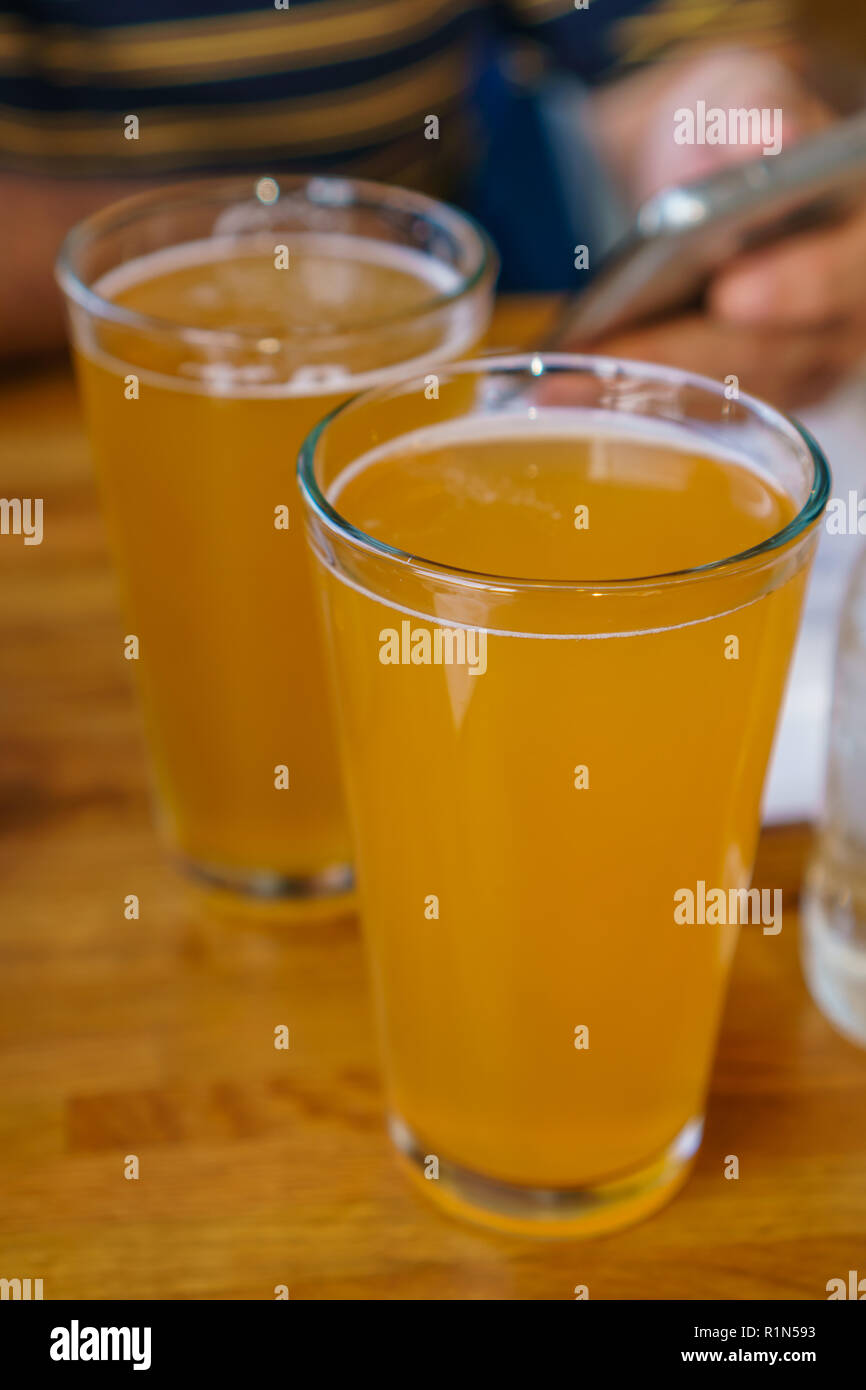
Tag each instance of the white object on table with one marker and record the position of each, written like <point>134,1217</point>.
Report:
<point>795,785</point>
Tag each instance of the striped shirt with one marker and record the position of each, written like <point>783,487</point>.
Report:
<point>128,87</point>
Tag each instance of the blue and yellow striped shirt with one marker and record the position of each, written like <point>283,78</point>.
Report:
<point>292,84</point>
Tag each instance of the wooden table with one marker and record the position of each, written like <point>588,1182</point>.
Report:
<point>155,1037</point>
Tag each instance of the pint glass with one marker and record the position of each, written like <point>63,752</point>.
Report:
<point>562,598</point>
<point>213,325</point>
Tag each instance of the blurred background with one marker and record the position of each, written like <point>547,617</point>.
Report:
<point>551,122</point>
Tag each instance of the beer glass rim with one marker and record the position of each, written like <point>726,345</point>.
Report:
<point>322,190</point>
<point>605,367</point>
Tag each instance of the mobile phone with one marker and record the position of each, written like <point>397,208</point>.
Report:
<point>683,234</point>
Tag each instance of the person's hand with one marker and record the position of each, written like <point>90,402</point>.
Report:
<point>789,366</point>
<point>789,319</point>
<point>815,279</point>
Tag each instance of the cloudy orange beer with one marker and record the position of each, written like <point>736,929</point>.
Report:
<point>213,327</point>
<point>527,803</point>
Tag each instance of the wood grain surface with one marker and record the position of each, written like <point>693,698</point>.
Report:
<point>155,1037</point>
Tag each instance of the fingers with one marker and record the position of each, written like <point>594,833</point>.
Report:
<point>788,368</point>
<point>811,279</point>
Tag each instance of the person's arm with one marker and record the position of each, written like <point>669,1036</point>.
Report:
<point>99,98</point>
<point>632,53</point>
<point>611,38</point>
<point>35,214</point>
<point>788,319</point>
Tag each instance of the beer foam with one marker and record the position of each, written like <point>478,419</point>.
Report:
<point>442,278</point>
<point>556,422</point>
<point>325,379</point>
<point>576,423</point>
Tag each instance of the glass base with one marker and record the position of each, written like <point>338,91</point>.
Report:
<point>834,960</point>
<point>328,891</point>
<point>564,1213</point>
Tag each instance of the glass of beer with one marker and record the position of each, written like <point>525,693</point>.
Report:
<point>213,324</point>
<point>562,595</point>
